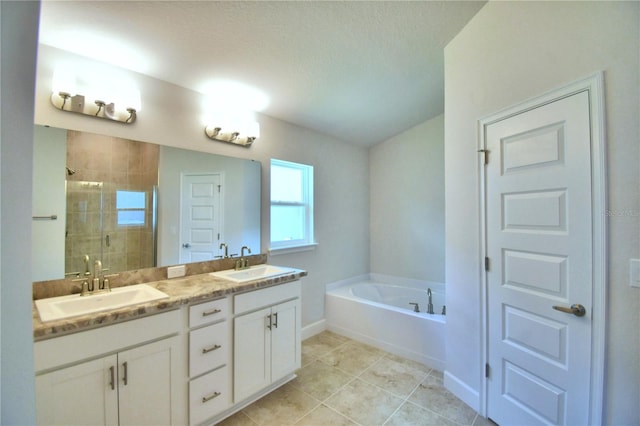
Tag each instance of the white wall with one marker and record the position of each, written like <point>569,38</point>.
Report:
<point>171,116</point>
<point>49,198</point>
<point>407,203</point>
<point>509,52</point>
<point>18,25</point>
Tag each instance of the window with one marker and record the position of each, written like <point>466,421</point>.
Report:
<point>291,205</point>
<point>130,206</point>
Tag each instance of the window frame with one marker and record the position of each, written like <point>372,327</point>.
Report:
<point>308,240</point>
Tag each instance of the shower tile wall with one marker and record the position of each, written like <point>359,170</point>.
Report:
<point>117,164</point>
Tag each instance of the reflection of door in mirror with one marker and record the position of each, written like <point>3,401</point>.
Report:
<point>110,200</point>
<point>201,222</point>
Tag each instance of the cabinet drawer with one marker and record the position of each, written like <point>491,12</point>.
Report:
<point>208,312</point>
<point>257,299</point>
<point>209,348</point>
<point>209,395</point>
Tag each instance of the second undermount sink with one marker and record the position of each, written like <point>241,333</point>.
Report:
<point>55,308</point>
<point>253,273</point>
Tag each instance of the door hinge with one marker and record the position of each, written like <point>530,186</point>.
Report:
<point>486,264</point>
<point>485,153</point>
<point>487,370</point>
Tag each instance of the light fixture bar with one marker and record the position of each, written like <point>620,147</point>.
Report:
<point>64,101</point>
<point>216,133</point>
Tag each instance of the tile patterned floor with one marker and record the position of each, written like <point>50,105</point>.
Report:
<point>344,382</point>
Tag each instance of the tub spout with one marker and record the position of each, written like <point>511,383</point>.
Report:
<point>430,305</point>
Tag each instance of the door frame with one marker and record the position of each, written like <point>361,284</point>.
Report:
<point>594,85</point>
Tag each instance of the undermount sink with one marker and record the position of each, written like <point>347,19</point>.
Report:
<point>55,308</point>
<point>253,273</point>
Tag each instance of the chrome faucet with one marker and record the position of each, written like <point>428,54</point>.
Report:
<point>430,305</point>
<point>226,250</point>
<point>93,285</point>
<point>243,263</point>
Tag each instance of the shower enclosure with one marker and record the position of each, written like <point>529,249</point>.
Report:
<point>111,210</point>
<point>108,223</point>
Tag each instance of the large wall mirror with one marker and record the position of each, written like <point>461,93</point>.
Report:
<point>135,205</point>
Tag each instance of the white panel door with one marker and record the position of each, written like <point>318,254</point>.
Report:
<point>285,339</point>
<point>84,394</point>
<point>251,353</point>
<point>200,219</point>
<point>539,244</point>
<point>147,376</point>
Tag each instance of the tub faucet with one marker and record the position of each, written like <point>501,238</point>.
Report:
<point>430,305</point>
<point>416,308</point>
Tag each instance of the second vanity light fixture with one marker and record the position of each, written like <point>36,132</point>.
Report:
<point>240,133</point>
<point>122,107</point>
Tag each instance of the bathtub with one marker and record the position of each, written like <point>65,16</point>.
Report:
<point>375,309</point>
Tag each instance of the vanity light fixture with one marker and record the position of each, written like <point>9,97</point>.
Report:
<point>64,101</point>
<point>243,135</point>
<point>66,98</point>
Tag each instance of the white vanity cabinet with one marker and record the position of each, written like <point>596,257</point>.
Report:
<point>138,384</point>
<point>266,338</point>
<point>209,359</point>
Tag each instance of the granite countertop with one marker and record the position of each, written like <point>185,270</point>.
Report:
<point>181,291</point>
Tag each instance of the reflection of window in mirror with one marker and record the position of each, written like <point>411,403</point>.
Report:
<point>130,206</point>
<point>291,204</point>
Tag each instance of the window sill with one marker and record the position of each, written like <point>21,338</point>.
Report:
<point>275,251</point>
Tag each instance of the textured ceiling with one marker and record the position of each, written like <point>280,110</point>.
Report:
<point>357,70</point>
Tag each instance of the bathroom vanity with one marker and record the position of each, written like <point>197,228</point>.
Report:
<point>209,349</point>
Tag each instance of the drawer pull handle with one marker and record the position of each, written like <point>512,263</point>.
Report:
<point>112,382</point>
<point>125,379</point>
<point>210,349</point>
<point>211,312</point>
<point>210,397</point>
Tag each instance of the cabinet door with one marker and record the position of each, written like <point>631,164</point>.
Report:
<point>149,378</point>
<point>252,349</point>
<point>285,339</point>
<point>85,394</point>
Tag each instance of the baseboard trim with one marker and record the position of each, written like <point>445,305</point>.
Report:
<point>311,330</point>
<point>463,391</point>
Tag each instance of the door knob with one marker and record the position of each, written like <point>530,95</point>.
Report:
<point>575,309</point>
<point>186,245</point>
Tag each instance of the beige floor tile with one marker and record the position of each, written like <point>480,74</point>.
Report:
<point>431,394</point>
<point>353,357</point>
<point>324,416</point>
<point>320,380</point>
<point>411,414</point>
<point>238,419</point>
<point>410,363</point>
<point>364,403</point>
<point>322,343</point>
<point>284,406</point>
<point>393,376</point>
